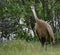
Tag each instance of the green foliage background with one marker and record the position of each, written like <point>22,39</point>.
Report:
<point>21,8</point>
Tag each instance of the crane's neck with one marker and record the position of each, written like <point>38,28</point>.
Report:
<point>35,15</point>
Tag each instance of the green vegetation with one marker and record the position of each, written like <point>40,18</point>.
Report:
<point>21,47</point>
<point>12,11</point>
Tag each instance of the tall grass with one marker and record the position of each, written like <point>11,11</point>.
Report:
<point>21,47</point>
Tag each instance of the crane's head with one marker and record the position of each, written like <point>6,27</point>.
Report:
<point>32,6</point>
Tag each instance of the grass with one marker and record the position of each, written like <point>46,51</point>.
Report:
<point>21,47</point>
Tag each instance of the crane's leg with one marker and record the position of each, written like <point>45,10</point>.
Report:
<point>51,42</point>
